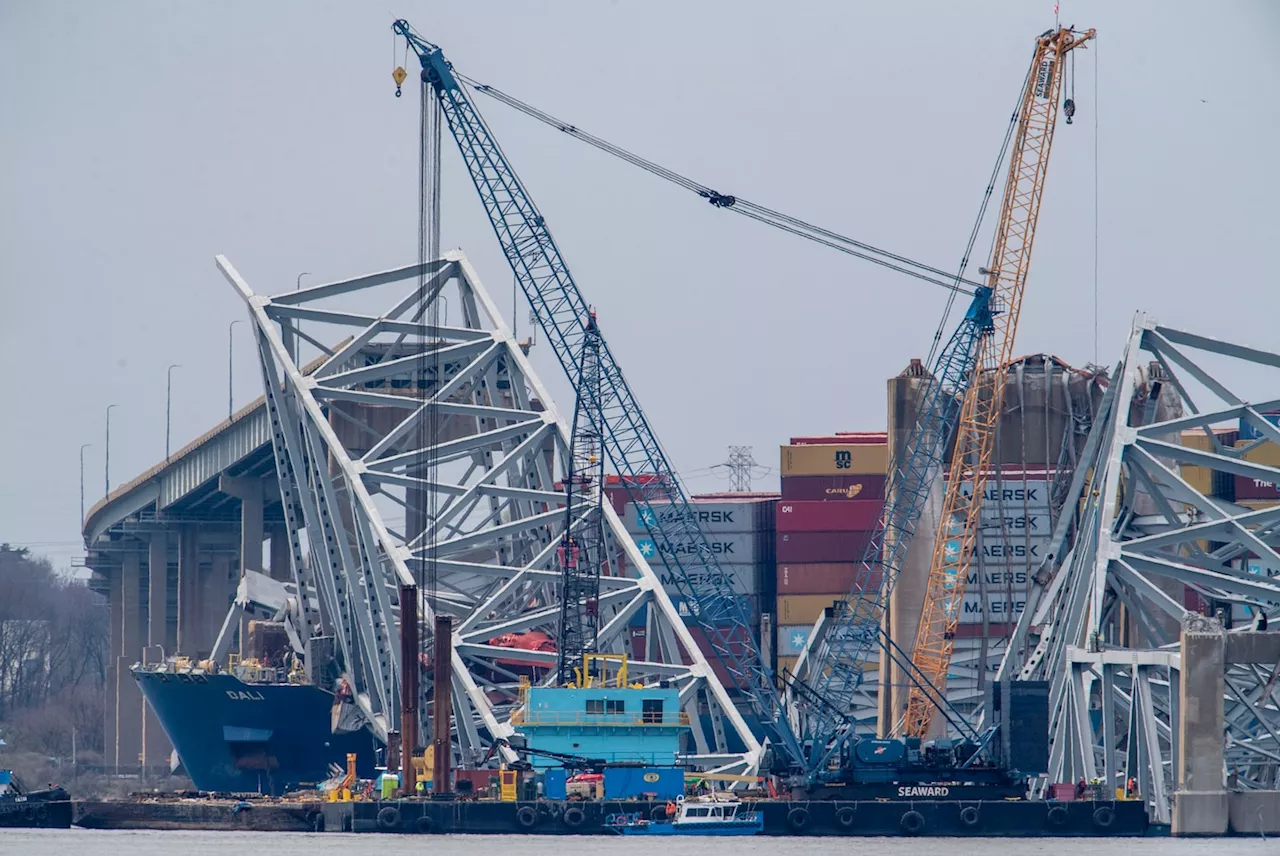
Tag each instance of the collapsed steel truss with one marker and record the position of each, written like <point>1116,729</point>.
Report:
<point>1103,618</point>
<point>348,462</point>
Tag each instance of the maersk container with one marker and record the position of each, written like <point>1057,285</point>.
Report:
<point>718,517</point>
<point>835,460</point>
<point>792,638</point>
<point>743,579</point>
<point>735,549</point>
<point>856,515</point>
<point>690,610</point>
<point>824,577</point>
<point>810,547</point>
<point>651,783</point>
<point>832,488</point>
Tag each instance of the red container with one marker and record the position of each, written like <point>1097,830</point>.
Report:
<point>735,637</point>
<point>995,630</point>
<point>874,438</point>
<point>639,636</point>
<point>1062,791</point>
<point>1251,488</point>
<point>826,577</point>
<point>811,547</point>
<point>826,488</point>
<point>854,515</point>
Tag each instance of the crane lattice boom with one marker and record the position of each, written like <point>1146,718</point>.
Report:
<point>957,535</point>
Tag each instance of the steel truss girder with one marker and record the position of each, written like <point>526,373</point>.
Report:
<point>347,445</point>
<point>1103,622</point>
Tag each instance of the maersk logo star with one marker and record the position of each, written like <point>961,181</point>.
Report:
<point>798,639</point>
<point>647,548</point>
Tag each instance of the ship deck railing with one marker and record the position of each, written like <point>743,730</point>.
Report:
<point>570,719</point>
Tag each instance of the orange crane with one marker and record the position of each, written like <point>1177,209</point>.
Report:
<point>958,525</point>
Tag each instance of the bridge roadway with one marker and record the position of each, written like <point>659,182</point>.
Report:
<point>167,549</point>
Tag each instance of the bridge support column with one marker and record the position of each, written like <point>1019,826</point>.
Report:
<point>280,550</point>
<point>128,696</point>
<point>155,745</point>
<point>250,492</point>
<point>110,730</point>
<point>1200,803</point>
<point>188,590</point>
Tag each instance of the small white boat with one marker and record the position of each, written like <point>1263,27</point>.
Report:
<point>710,815</point>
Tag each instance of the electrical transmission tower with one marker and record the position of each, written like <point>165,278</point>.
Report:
<point>740,464</point>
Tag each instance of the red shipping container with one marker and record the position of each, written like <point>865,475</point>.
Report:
<point>874,438</point>
<point>639,638</point>
<point>815,488</point>
<point>810,547</point>
<point>826,577</point>
<point>735,637</point>
<point>854,515</point>
<point>995,630</point>
<point>1251,488</point>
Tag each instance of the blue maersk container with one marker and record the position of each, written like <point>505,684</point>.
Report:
<point>626,783</point>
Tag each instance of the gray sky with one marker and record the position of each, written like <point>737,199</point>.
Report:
<point>139,139</point>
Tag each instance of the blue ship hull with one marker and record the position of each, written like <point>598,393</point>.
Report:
<point>252,738</point>
<point>698,829</point>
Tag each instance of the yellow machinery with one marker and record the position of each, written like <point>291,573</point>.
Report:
<point>971,463</point>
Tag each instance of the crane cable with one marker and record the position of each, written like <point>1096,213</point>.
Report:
<point>794,225</point>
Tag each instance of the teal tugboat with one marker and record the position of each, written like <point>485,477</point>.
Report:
<point>709,815</point>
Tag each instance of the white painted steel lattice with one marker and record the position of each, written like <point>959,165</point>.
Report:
<point>344,443</point>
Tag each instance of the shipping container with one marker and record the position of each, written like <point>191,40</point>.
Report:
<point>844,437</point>
<point>649,783</point>
<point>735,638</point>
<point>835,460</point>
<point>1006,495</point>
<point>996,551</point>
<point>803,608</point>
<point>792,638</point>
<point>743,579</point>
<point>786,665</point>
<point>811,488</point>
<point>825,577</point>
<point>1248,432</point>
<point>713,518</point>
<point>812,547</point>
<point>738,548</point>
<point>856,515</point>
<point>1266,454</point>
<point>1250,488</point>
<point>1000,608</point>
<point>688,610</point>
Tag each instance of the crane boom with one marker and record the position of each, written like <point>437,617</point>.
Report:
<point>971,463</point>
<point>628,439</point>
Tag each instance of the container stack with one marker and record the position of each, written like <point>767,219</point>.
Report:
<point>740,529</point>
<point>832,497</point>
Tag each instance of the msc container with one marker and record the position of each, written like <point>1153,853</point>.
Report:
<point>825,577</point>
<point>845,437</point>
<point>855,515</point>
<point>792,638</point>
<point>812,488</point>
<point>836,460</point>
<point>634,783</point>
<point>809,547</point>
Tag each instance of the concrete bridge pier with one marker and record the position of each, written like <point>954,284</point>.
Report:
<point>155,744</point>
<point>128,698</point>
<point>1202,804</point>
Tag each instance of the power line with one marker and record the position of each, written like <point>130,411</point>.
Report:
<point>740,464</point>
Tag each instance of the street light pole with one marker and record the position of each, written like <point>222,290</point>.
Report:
<point>230,364</point>
<point>106,463</point>
<point>297,325</point>
<point>168,407</point>
<point>82,448</point>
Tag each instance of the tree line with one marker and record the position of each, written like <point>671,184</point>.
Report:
<point>53,657</point>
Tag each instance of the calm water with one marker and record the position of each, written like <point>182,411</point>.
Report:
<point>80,842</point>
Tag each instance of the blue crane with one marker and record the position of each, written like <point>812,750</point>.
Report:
<point>628,439</point>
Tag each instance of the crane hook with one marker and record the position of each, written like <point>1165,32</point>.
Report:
<point>398,76</point>
<point>1069,108</point>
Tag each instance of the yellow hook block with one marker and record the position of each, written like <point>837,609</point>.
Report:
<point>399,76</point>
